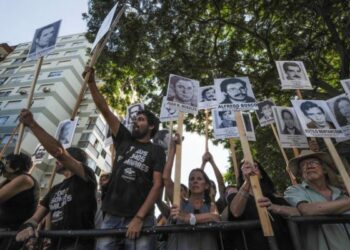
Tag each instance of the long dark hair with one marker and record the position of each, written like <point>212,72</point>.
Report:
<point>207,199</point>
<point>340,117</point>
<point>267,186</point>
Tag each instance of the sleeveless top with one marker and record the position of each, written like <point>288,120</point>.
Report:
<point>20,207</point>
<point>193,241</point>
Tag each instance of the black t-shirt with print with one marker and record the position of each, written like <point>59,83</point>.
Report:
<point>72,203</point>
<point>132,176</point>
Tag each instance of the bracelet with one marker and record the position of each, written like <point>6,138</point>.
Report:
<point>139,217</point>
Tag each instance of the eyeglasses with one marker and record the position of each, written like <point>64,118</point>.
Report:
<point>310,163</point>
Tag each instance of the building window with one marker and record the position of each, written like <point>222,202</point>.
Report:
<point>98,171</point>
<point>3,80</point>
<point>27,67</point>
<point>3,119</point>
<point>77,43</point>
<point>7,137</point>
<point>66,38</point>
<point>14,104</point>
<point>16,79</point>
<point>5,93</point>
<point>10,70</point>
<point>63,62</point>
<point>71,52</point>
<point>55,73</point>
<point>52,55</point>
<point>60,45</point>
<point>85,136</point>
<point>19,60</point>
<point>103,153</point>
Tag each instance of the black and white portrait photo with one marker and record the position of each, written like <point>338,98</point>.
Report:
<point>288,127</point>
<point>38,154</point>
<point>183,94</point>
<point>340,107</point>
<point>248,126</point>
<point>293,75</point>
<point>65,132</point>
<point>207,97</point>
<point>316,119</point>
<point>224,124</point>
<point>167,113</point>
<point>132,112</point>
<point>162,138</point>
<point>346,85</point>
<point>44,40</point>
<point>264,112</point>
<point>235,94</point>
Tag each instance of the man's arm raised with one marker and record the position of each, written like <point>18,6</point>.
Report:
<point>112,121</point>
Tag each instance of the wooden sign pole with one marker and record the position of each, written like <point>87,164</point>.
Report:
<point>291,176</point>
<point>177,182</point>
<point>29,103</point>
<point>234,158</point>
<point>254,180</point>
<point>206,130</point>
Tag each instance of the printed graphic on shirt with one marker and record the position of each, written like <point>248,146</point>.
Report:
<point>60,199</point>
<point>136,160</point>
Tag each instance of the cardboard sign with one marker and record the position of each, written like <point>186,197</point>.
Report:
<point>293,75</point>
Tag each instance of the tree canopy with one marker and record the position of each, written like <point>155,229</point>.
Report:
<point>206,39</point>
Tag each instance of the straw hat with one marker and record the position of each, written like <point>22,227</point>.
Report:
<point>323,157</point>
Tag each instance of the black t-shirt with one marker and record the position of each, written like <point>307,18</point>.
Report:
<point>132,176</point>
<point>72,204</point>
<point>254,238</point>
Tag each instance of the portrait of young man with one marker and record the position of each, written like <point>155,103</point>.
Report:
<point>182,90</point>
<point>316,115</point>
<point>44,40</point>
<point>235,90</point>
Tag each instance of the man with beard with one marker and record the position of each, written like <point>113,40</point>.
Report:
<point>235,91</point>
<point>136,179</point>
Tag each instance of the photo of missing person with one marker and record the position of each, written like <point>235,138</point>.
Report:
<point>44,40</point>
<point>264,112</point>
<point>316,118</point>
<point>234,90</point>
<point>248,126</point>
<point>289,128</point>
<point>38,154</point>
<point>65,132</point>
<point>346,85</point>
<point>132,112</point>
<point>290,124</point>
<point>340,107</point>
<point>162,138</point>
<point>167,113</point>
<point>207,97</point>
<point>183,90</point>
<point>293,75</point>
<point>224,124</point>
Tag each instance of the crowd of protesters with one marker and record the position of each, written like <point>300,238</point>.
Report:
<point>126,198</point>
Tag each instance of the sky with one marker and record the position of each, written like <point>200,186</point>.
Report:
<point>19,20</point>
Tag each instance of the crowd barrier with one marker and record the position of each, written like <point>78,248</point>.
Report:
<point>293,222</point>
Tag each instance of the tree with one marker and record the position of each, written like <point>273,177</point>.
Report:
<point>210,39</point>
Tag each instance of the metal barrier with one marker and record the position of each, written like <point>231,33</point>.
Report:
<point>295,222</point>
<point>120,233</point>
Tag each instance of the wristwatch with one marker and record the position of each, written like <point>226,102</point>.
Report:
<point>192,220</point>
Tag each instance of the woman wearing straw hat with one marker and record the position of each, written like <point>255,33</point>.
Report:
<point>318,195</point>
